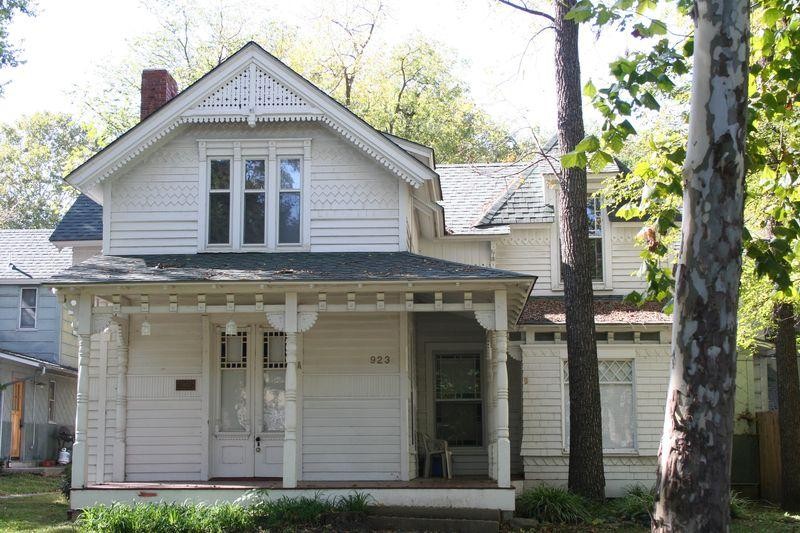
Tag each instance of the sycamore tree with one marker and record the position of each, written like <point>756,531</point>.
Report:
<point>772,218</point>
<point>35,153</point>
<point>410,89</point>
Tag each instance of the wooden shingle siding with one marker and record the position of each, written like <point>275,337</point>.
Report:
<point>351,408</point>
<point>470,252</point>
<point>543,453</point>
<point>527,251</point>
<point>40,342</point>
<point>353,201</point>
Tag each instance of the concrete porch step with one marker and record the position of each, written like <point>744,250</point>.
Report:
<point>434,519</point>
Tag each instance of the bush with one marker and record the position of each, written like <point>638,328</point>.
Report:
<point>636,506</point>
<point>248,513</point>
<point>66,481</point>
<point>553,505</point>
<point>739,505</point>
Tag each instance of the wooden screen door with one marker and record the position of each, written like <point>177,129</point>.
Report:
<point>248,432</point>
<point>17,398</point>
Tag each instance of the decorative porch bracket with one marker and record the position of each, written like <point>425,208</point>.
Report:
<point>496,322</point>
<point>291,322</point>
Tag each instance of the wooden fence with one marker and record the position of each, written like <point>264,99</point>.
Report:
<point>769,451</point>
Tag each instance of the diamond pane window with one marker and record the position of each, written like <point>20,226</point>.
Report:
<point>616,403</point>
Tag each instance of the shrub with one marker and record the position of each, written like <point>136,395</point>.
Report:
<point>636,506</point>
<point>739,505</point>
<point>553,505</point>
<point>66,481</point>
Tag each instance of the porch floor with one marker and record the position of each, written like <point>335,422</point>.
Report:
<point>268,483</point>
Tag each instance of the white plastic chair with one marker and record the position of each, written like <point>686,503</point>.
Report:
<point>431,447</point>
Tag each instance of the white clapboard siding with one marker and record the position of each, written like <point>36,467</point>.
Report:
<point>351,408</point>
<point>164,426</point>
<point>470,252</point>
<point>353,201</point>
<point>527,251</point>
<point>625,256</point>
<point>42,341</point>
<point>543,454</point>
<point>101,421</point>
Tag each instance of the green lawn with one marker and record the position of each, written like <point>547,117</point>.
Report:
<point>28,484</point>
<point>43,512</point>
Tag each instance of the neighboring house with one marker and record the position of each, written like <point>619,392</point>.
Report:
<point>37,379</point>
<point>287,296</point>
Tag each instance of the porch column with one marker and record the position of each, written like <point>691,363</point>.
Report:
<point>503,443</point>
<point>290,431</point>
<point>80,447</point>
<point>491,405</point>
<point>503,451</point>
<point>122,400</point>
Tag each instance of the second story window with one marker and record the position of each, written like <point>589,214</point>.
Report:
<point>27,307</point>
<point>219,202</point>
<point>255,194</point>
<point>595,214</point>
<point>255,201</point>
<point>289,213</point>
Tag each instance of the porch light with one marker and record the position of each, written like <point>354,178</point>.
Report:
<point>145,328</point>
<point>230,327</point>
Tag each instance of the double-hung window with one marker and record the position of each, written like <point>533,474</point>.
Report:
<point>289,199</point>
<point>255,201</point>
<point>616,404</point>
<point>595,215</point>
<point>28,297</point>
<point>459,406</point>
<point>219,202</point>
<point>255,194</point>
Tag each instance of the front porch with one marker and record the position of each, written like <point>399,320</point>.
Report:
<point>316,386</point>
<point>462,493</point>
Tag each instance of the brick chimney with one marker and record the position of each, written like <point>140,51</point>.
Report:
<point>158,88</point>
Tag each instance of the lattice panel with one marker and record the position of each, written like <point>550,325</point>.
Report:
<point>264,90</point>
<point>224,355</point>
<point>609,371</point>
<point>272,361</point>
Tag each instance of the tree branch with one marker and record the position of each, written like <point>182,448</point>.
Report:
<point>526,9</point>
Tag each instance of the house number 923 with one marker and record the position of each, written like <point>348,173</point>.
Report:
<point>379,359</point>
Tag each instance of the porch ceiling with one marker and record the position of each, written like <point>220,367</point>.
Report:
<point>278,267</point>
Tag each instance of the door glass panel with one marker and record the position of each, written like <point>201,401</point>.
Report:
<point>274,381</point>
<point>233,400</point>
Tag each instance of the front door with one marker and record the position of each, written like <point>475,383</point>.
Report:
<point>17,400</point>
<point>249,407</point>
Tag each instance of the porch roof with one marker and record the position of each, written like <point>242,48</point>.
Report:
<point>277,267</point>
<point>608,311</point>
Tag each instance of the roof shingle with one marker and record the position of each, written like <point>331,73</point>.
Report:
<point>28,254</point>
<point>82,222</point>
<point>610,310</point>
<point>276,267</point>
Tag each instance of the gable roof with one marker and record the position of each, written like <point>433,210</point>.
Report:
<point>82,222</point>
<point>27,255</point>
<point>250,86</point>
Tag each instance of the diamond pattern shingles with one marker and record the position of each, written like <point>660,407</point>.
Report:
<point>82,222</point>
<point>276,267</point>
<point>30,251</point>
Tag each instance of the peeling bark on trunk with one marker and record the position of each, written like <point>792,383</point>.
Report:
<point>695,454</point>
<point>788,404</point>
<point>586,476</point>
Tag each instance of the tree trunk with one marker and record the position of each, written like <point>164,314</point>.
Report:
<point>586,475</point>
<point>695,455</point>
<point>788,404</point>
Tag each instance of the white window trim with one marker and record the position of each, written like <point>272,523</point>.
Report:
<point>271,150</point>
<point>280,190</point>
<point>35,310</point>
<point>555,253</point>
<point>51,408</point>
<point>617,353</point>
<point>231,201</point>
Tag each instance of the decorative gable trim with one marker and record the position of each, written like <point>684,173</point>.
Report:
<point>254,87</point>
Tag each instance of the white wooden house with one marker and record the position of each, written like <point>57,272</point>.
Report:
<point>285,297</point>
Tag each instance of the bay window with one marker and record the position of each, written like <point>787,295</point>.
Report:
<point>255,194</point>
